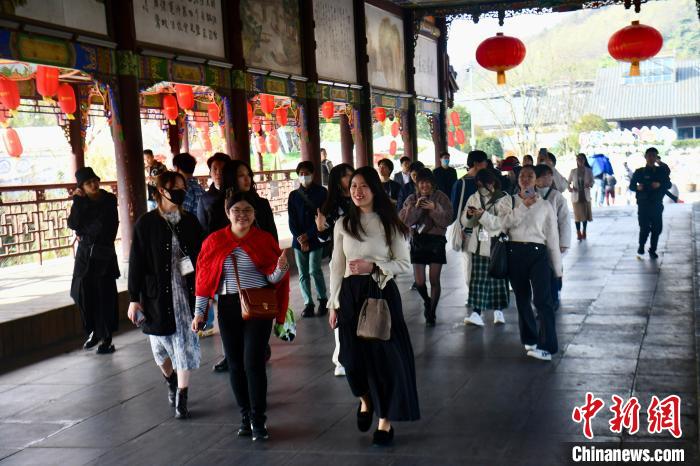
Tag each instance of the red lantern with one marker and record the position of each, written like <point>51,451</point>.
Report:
<point>202,125</point>
<point>380,114</point>
<point>281,116</point>
<point>46,81</point>
<point>9,94</point>
<point>267,125</point>
<point>454,116</point>
<point>262,147</point>
<point>256,125</point>
<point>392,148</point>
<point>273,144</point>
<point>267,104</point>
<point>213,111</point>
<point>459,136</point>
<point>635,43</point>
<point>500,54</point>
<point>250,112</point>
<point>395,129</point>
<point>13,145</point>
<point>450,139</point>
<point>185,96</point>
<point>207,143</point>
<point>66,100</point>
<point>170,109</point>
<point>328,110</point>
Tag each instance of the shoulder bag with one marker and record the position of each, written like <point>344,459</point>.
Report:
<point>456,234</point>
<point>256,303</point>
<point>498,261</point>
<point>374,322</point>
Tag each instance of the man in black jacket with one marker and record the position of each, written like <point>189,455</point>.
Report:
<point>650,183</point>
<point>445,176</point>
<point>410,187</point>
<point>385,167</point>
<point>404,176</point>
<point>210,222</point>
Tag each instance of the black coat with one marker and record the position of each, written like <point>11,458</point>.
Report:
<point>445,178</point>
<point>150,267</point>
<point>95,223</point>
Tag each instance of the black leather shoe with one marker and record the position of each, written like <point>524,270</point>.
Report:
<point>181,411</point>
<point>221,366</point>
<point>268,352</point>
<point>308,311</point>
<point>322,307</point>
<point>245,430</point>
<point>382,438</point>
<point>172,387</point>
<point>260,433</point>
<point>91,341</point>
<point>653,254</point>
<point>364,420</point>
<point>106,347</point>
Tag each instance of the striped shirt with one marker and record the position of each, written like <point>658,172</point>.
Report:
<point>250,277</point>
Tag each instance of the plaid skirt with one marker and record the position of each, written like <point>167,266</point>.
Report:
<point>486,292</point>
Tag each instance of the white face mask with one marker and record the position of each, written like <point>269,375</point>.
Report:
<point>306,180</point>
<point>542,191</point>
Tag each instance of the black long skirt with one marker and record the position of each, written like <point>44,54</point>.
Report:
<point>385,369</point>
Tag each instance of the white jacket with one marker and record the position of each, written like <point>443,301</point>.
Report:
<point>561,208</point>
<point>490,221</point>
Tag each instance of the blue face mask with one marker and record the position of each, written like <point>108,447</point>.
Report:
<point>445,162</point>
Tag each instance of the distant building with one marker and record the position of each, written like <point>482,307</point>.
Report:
<point>667,93</point>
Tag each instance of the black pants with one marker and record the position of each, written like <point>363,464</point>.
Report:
<point>650,216</point>
<point>530,274</point>
<point>244,344</point>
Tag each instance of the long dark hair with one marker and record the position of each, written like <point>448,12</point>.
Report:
<point>382,206</point>
<point>585,159</point>
<point>335,191</point>
<point>230,181</point>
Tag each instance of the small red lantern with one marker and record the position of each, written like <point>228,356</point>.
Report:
<point>273,144</point>
<point>66,100</point>
<point>249,108</point>
<point>267,104</point>
<point>395,129</point>
<point>392,148</point>
<point>281,116</point>
<point>256,125</point>
<point>267,125</point>
<point>46,81</point>
<point>213,112</point>
<point>380,114</point>
<point>459,136</point>
<point>170,109</point>
<point>635,43</point>
<point>454,116</point>
<point>9,94</point>
<point>328,110</point>
<point>13,145</point>
<point>206,142</point>
<point>262,147</point>
<point>500,54</point>
<point>185,96</point>
<point>450,139</point>
<point>202,125</point>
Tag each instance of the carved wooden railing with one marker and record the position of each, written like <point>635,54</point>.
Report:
<point>33,219</point>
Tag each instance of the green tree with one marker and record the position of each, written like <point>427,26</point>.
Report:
<point>591,122</point>
<point>490,145</point>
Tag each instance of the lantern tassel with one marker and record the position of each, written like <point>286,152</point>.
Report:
<point>172,122</point>
<point>49,100</point>
<point>70,116</point>
<point>634,69</point>
<point>501,77</point>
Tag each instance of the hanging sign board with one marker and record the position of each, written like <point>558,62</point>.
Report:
<point>335,40</point>
<point>83,15</point>
<point>425,62</point>
<point>385,48</point>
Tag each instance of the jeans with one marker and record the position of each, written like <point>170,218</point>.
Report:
<point>650,217</point>
<point>309,265</point>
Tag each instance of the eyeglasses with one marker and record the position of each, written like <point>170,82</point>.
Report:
<point>243,211</point>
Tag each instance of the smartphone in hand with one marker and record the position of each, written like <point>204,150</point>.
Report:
<point>530,192</point>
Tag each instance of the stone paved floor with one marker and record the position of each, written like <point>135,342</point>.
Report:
<point>626,326</point>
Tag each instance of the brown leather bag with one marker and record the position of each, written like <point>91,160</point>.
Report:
<point>374,322</point>
<point>256,303</point>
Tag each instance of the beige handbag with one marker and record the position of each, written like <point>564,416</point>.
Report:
<point>374,322</point>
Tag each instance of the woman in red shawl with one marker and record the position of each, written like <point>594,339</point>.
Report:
<point>260,263</point>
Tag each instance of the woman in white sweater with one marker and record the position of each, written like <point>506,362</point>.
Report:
<point>483,214</point>
<point>533,254</point>
<point>370,249</point>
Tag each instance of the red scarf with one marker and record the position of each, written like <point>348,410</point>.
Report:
<point>260,246</point>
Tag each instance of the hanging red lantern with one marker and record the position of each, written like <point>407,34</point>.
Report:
<point>9,94</point>
<point>454,116</point>
<point>328,110</point>
<point>392,148</point>
<point>206,142</point>
<point>185,96</point>
<point>267,104</point>
<point>256,125</point>
<point>250,112</point>
<point>450,139</point>
<point>170,109</point>
<point>395,129</point>
<point>273,143</point>
<point>635,43</point>
<point>459,136</point>
<point>66,100</point>
<point>202,125</point>
<point>281,116</point>
<point>13,145</point>
<point>380,114</point>
<point>213,112</point>
<point>267,125</point>
<point>262,147</point>
<point>46,81</point>
<point>500,54</point>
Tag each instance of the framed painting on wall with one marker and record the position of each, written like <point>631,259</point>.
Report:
<point>385,47</point>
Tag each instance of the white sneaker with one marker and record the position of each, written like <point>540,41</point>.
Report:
<point>530,347</point>
<point>498,317</point>
<point>540,354</point>
<point>474,319</point>
<point>339,371</point>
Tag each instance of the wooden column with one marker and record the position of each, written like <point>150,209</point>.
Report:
<point>126,124</point>
<point>346,143</point>
<point>363,116</point>
<point>440,126</point>
<point>185,135</point>
<point>310,131</point>
<point>77,142</point>
<point>409,132</point>
<point>174,137</point>
<point>234,108</point>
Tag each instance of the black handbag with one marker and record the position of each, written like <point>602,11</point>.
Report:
<point>498,262</point>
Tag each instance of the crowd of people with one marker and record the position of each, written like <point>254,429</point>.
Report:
<point>197,255</point>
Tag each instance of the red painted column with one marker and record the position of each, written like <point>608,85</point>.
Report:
<point>346,143</point>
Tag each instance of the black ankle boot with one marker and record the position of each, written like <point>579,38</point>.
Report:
<point>245,430</point>
<point>430,318</point>
<point>106,347</point>
<point>181,411</point>
<point>93,340</point>
<point>172,387</point>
